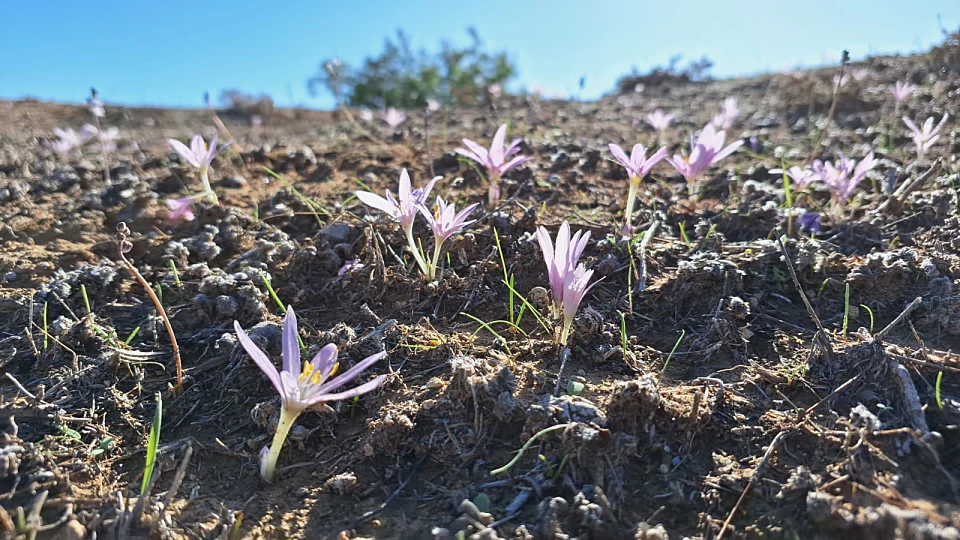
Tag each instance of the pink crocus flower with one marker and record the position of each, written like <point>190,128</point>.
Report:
<point>444,221</point>
<point>393,117</point>
<point>403,208</point>
<point>69,139</point>
<point>802,177</point>
<point>841,179</point>
<point>200,156</point>
<point>303,388</point>
<point>180,209</point>
<point>494,160</point>
<point>901,90</point>
<point>638,166</point>
<point>924,137</point>
<point>494,90</point>
<point>729,112</point>
<point>660,121</point>
<point>569,279</point>
<point>707,150</point>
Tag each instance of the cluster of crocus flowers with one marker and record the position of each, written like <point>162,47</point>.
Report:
<point>495,159</point>
<point>707,150</point>
<point>843,177</point>
<point>69,139</point>
<point>200,156</point>
<point>638,166</point>
<point>729,112</point>
<point>924,137</point>
<point>569,278</point>
<point>403,208</point>
<point>840,178</point>
<point>443,218</point>
<point>302,387</point>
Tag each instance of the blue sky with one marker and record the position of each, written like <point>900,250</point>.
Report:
<point>170,52</point>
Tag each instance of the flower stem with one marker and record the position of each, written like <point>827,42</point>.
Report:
<point>493,192</point>
<point>631,200</point>
<point>416,251</point>
<point>204,179</point>
<point>437,244</point>
<point>269,465</point>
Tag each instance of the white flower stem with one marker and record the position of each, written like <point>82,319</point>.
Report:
<point>205,180</point>
<point>287,418</point>
<point>493,192</point>
<point>565,332</point>
<point>437,244</point>
<point>631,200</point>
<point>416,250</point>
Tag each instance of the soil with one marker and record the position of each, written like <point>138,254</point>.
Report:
<point>698,388</point>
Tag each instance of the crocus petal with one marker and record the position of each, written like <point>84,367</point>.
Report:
<point>404,191</point>
<point>352,393</point>
<point>620,156</point>
<point>515,162</point>
<point>291,388</point>
<point>325,360</point>
<point>480,151</point>
<point>910,124</point>
<point>378,202</point>
<point>184,152</point>
<point>513,147</point>
<point>425,192</point>
<point>470,155</point>
<point>726,151</point>
<point>351,373</point>
<point>260,358</point>
<point>496,147</point>
<point>198,147</point>
<point>291,345</point>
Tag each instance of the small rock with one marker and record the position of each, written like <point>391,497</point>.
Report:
<point>234,181</point>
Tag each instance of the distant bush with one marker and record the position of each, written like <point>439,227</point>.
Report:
<point>398,77</point>
<point>239,102</point>
<point>946,56</point>
<point>695,70</point>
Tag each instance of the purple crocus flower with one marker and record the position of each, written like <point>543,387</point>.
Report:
<point>69,139</point>
<point>638,166</point>
<point>403,209</point>
<point>809,221</point>
<point>302,388</point>
<point>494,160</point>
<point>444,221</point>
<point>180,209</point>
<point>729,112</point>
<point>841,179</point>
<point>200,156</point>
<point>393,117</point>
<point>349,266</point>
<point>801,177</point>
<point>568,279</point>
<point>706,151</point>
<point>924,137</point>
<point>901,90</point>
<point>660,121</point>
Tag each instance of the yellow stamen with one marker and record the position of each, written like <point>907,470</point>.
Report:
<point>307,370</point>
<point>334,370</point>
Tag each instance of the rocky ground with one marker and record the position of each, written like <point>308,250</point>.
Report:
<point>702,398</point>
